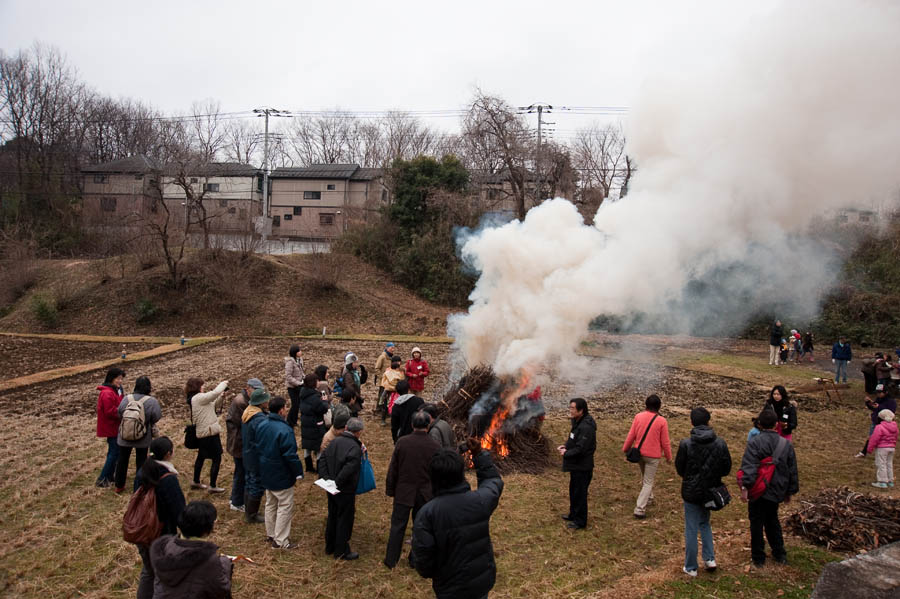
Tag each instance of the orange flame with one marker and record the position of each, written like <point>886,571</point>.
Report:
<point>493,439</point>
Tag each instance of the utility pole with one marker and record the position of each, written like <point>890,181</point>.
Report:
<point>539,108</point>
<point>267,112</point>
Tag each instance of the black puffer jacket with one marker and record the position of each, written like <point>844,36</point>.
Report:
<point>312,418</point>
<point>451,536</point>
<point>580,445</point>
<point>784,408</point>
<point>784,480</point>
<point>702,461</point>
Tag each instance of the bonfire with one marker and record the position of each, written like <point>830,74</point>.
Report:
<point>505,414</point>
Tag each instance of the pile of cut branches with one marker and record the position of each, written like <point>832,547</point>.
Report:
<point>844,520</point>
<point>529,449</point>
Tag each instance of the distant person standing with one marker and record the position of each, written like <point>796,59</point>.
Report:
<point>234,441</point>
<point>409,483</point>
<point>313,408</point>
<point>205,409</point>
<point>383,363</point>
<point>841,354</point>
<point>293,380</point>
<point>279,471</point>
<point>775,336</point>
<point>108,422</point>
<point>883,401</point>
<point>416,371</point>
<point>702,460</point>
<point>784,409</point>
<point>137,411</point>
<point>650,432</point>
<point>808,345</point>
<point>578,460</point>
<point>763,510</point>
<point>253,416</point>
<point>341,462</point>
<point>389,380</point>
<point>407,404</point>
<point>439,429</point>
<point>882,443</point>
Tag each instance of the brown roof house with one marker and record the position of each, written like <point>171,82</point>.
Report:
<point>321,201</point>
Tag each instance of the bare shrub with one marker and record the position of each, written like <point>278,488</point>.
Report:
<point>324,269</point>
<point>18,270</point>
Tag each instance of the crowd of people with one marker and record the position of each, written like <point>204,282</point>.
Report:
<point>425,478</point>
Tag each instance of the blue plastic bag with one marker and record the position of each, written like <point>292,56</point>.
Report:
<point>366,476</point>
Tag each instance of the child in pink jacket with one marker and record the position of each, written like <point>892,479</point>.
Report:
<point>882,442</point>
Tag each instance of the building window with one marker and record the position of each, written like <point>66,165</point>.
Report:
<point>210,187</point>
<point>330,187</point>
<point>288,217</point>
<point>326,219</point>
<point>384,196</point>
<point>138,177</point>
<point>223,203</point>
<point>243,214</point>
<point>276,221</point>
<point>259,183</point>
<point>312,195</point>
<point>108,204</point>
<point>101,178</point>
<point>298,210</point>
<point>194,179</point>
<point>232,210</point>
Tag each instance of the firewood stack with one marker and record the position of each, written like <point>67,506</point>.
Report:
<point>844,520</point>
<point>529,450</point>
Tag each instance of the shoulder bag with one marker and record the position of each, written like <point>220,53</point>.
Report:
<point>634,454</point>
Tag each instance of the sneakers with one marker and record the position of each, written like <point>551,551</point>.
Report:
<point>640,516</point>
<point>235,508</point>
<point>691,573</point>
<point>859,454</point>
<point>880,485</point>
<point>574,526</point>
<point>349,556</point>
<point>287,546</point>
<point>711,565</point>
<point>199,486</point>
<point>103,483</point>
<point>215,489</point>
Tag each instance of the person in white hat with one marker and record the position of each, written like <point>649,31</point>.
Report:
<point>882,443</point>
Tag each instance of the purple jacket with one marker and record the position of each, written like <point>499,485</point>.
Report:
<point>887,403</point>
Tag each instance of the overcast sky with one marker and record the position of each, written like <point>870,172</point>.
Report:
<point>363,55</point>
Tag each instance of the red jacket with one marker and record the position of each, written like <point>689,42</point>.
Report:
<point>108,411</point>
<point>416,371</point>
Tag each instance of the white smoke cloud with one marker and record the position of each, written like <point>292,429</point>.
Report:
<point>739,143</point>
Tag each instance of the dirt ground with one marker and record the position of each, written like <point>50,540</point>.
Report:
<point>26,355</point>
<point>49,506</point>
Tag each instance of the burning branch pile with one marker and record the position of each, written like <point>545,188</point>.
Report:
<point>497,411</point>
<point>844,520</point>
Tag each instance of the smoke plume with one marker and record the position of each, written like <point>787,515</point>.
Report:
<point>739,144</point>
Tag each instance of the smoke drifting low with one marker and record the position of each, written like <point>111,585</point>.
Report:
<point>738,147</point>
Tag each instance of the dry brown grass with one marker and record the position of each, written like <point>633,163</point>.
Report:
<point>63,535</point>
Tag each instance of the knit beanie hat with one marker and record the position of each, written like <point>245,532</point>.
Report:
<point>416,349</point>
<point>350,358</point>
<point>255,384</point>
<point>886,415</point>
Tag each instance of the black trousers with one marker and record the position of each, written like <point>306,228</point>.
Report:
<point>579,481</point>
<point>210,449</point>
<point>140,455</point>
<point>339,528</point>
<point>399,520</point>
<point>764,517</point>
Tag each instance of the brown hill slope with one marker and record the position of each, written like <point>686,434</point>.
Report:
<point>258,295</point>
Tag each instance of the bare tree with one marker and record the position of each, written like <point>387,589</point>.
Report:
<point>243,142</point>
<point>322,139</point>
<point>496,138</point>
<point>599,154</point>
<point>208,133</point>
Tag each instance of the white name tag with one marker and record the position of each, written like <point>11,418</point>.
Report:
<point>571,435</point>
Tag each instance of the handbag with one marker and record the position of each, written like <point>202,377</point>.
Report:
<point>190,433</point>
<point>719,498</point>
<point>366,476</point>
<point>634,454</point>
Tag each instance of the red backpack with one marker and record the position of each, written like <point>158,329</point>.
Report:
<point>141,523</point>
<point>764,473</point>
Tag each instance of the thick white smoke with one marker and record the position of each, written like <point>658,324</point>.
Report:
<point>738,147</point>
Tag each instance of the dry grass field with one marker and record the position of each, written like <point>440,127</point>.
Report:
<point>62,536</point>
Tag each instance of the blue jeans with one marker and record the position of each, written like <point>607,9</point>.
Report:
<point>697,517</point>
<point>112,456</point>
<point>237,483</point>
<point>840,366</point>
<point>253,484</point>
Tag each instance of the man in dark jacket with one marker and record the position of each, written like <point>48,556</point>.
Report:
<point>451,534</point>
<point>404,407</point>
<point>408,483</point>
<point>775,336</point>
<point>279,470</point>
<point>578,461</point>
<point>253,415</point>
<point>234,442</point>
<point>439,429</point>
<point>701,462</point>
<point>841,354</point>
<point>341,462</point>
<point>763,512</point>
<point>189,566</point>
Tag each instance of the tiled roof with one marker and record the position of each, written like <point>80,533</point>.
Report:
<point>317,171</point>
<point>137,164</point>
<point>140,164</point>
<point>367,174</point>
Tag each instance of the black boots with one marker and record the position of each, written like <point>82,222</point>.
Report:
<point>310,467</point>
<point>251,510</point>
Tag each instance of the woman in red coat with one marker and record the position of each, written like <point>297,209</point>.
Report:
<point>108,421</point>
<point>416,371</point>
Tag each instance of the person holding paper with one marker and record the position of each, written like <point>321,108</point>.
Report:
<point>340,462</point>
